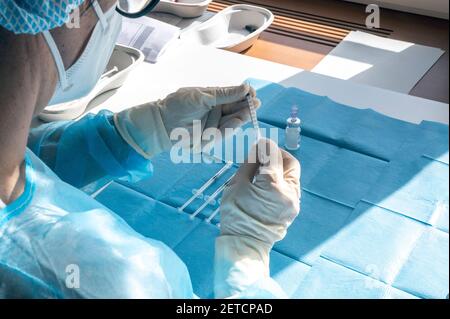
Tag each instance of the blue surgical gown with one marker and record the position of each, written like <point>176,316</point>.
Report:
<point>59,242</point>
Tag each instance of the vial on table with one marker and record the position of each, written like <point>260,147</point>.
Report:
<point>293,130</point>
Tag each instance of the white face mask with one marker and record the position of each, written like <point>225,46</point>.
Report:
<point>82,76</point>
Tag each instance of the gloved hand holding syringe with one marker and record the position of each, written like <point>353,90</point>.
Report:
<point>211,199</point>
<point>258,206</point>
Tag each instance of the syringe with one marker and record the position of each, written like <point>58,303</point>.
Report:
<point>212,197</point>
<point>202,189</point>
<point>205,186</point>
<point>254,117</point>
<point>214,214</point>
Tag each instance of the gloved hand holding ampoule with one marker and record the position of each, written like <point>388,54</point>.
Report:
<point>147,128</point>
<point>257,208</point>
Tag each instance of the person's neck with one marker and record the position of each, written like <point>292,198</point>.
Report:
<point>12,184</point>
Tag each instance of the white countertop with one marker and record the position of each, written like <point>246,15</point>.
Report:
<point>190,65</point>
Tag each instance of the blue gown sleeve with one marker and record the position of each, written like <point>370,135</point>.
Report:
<point>88,153</point>
<point>95,254</point>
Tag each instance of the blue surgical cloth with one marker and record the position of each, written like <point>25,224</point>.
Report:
<point>59,242</point>
<point>374,209</point>
<point>35,16</point>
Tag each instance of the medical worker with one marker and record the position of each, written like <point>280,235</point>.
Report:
<point>49,228</point>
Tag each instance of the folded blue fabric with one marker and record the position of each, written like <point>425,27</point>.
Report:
<point>313,156</point>
<point>435,141</point>
<point>441,217</point>
<point>347,177</point>
<point>327,280</point>
<point>425,273</point>
<point>197,252</point>
<point>330,121</point>
<point>360,130</point>
<point>147,216</point>
<point>415,188</point>
<point>375,242</point>
<point>165,176</point>
<point>377,135</point>
<point>287,272</point>
<point>436,127</point>
<point>320,220</point>
<point>429,139</point>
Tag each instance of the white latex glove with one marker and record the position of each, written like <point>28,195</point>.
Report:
<point>147,127</point>
<point>258,206</point>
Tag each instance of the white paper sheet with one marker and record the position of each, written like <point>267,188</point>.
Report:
<point>150,36</point>
<point>386,63</point>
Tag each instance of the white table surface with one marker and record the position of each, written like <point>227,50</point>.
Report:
<point>191,65</point>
